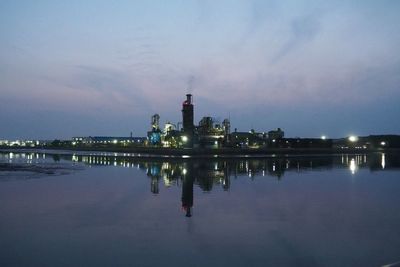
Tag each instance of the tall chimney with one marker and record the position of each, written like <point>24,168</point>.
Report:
<point>188,119</point>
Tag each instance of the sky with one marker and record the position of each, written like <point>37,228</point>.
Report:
<point>312,68</point>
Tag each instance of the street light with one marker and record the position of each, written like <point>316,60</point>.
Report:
<point>353,138</point>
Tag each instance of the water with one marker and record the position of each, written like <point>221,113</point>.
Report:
<point>113,210</point>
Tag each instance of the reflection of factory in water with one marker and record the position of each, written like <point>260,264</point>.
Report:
<point>217,171</point>
<point>209,173</point>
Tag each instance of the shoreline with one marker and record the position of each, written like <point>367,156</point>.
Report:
<point>143,152</point>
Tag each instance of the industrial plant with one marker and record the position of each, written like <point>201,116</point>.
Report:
<point>210,136</point>
<point>209,133</point>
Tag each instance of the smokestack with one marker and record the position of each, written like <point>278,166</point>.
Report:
<point>188,119</point>
<point>188,99</point>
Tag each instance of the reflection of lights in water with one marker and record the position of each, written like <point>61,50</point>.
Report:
<point>263,173</point>
<point>353,166</point>
<point>165,166</point>
<point>184,171</point>
<point>74,158</point>
<point>273,167</point>
<point>115,163</point>
<point>383,162</point>
<point>167,182</point>
<point>11,155</point>
<point>216,166</point>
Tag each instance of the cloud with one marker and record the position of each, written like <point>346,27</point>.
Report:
<point>302,30</point>
<point>115,87</point>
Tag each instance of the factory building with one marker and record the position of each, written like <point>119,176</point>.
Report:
<point>154,135</point>
<point>209,133</point>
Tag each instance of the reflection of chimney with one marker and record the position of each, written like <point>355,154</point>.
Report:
<point>154,186</point>
<point>188,213</point>
<point>187,190</point>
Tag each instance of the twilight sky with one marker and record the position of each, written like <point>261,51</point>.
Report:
<point>70,68</point>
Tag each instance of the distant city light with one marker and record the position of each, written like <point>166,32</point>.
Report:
<point>383,143</point>
<point>184,138</point>
<point>353,138</point>
<point>115,141</point>
<point>323,137</point>
<point>216,142</point>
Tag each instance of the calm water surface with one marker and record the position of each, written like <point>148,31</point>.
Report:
<point>114,210</point>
